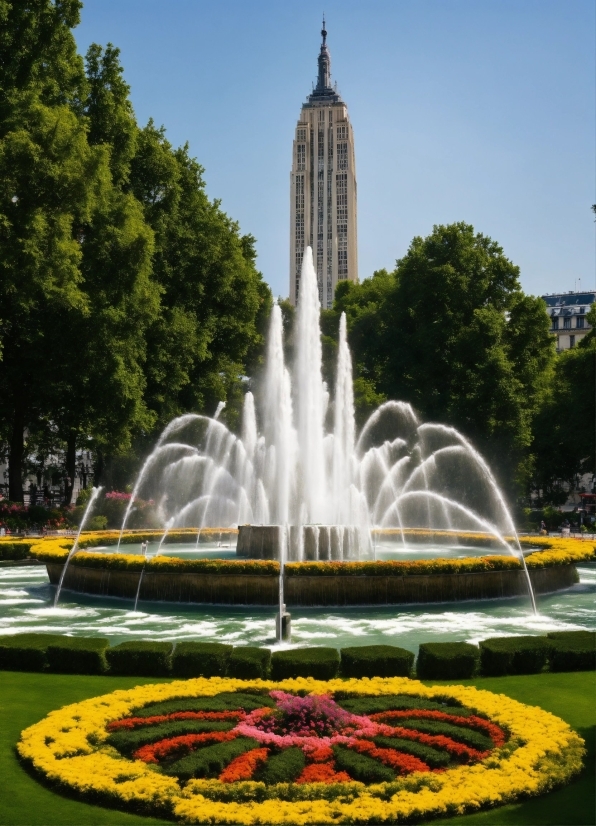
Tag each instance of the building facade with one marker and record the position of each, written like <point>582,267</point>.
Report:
<point>323,188</point>
<point>567,313</point>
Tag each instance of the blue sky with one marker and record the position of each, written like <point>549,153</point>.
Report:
<point>463,110</point>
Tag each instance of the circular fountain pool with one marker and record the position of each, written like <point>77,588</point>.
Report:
<point>26,604</point>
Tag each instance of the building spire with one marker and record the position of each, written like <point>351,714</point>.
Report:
<point>324,78</point>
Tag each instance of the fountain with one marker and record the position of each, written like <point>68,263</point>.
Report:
<point>302,486</point>
<point>94,494</point>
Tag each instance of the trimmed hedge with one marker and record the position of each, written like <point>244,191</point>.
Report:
<point>210,761</point>
<point>469,736</point>
<point>376,661</point>
<point>447,660</point>
<point>248,662</point>
<point>513,655</point>
<point>15,550</point>
<point>321,663</point>
<point>26,652</point>
<point>126,742</point>
<point>284,767</point>
<point>434,758</point>
<point>226,701</point>
<point>141,659</point>
<point>361,767</point>
<point>404,702</point>
<point>200,659</point>
<point>78,655</point>
<point>572,650</point>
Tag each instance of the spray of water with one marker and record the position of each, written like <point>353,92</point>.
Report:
<point>88,510</point>
<point>300,463</point>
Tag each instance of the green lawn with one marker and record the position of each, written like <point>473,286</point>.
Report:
<point>26,698</point>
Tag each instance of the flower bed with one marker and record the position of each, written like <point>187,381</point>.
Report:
<point>549,552</point>
<point>303,751</point>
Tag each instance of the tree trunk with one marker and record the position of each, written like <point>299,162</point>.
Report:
<point>17,452</point>
<point>71,461</point>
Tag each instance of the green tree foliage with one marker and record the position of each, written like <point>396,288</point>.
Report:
<point>451,332</point>
<point>126,295</point>
<point>565,428</point>
<point>214,302</point>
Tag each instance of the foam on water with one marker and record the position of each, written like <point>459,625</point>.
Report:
<point>26,605</point>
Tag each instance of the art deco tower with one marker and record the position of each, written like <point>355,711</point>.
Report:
<point>323,188</point>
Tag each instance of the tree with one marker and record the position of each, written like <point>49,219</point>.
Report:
<point>565,427</point>
<point>213,303</point>
<point>451,332</point>
<point>50,181</point>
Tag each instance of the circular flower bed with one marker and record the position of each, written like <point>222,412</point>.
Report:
<point>303,751</point>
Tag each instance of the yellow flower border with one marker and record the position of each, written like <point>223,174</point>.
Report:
<point>68,748</point>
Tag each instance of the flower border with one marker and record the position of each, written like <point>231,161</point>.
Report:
<point>68,747</point>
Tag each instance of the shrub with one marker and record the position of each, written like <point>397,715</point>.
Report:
<point>226,701</point>
<point>376,661</point>
<point>78,655</point>
<point>200,659</point>
<point>129,741</point>
<point>248,662</point>
<point>513,655</point>
<point>572,650</point>
<point>375,705</point>
<point>211,760</point>
<point>14,550</point>
<point>432,757</point>
<point>461,734</point>
<point>26,652</point>
<point>284,767</point>
<point>321,663</point>
<point>143,658</point>
<point>360,767</point>
<point>447,660</point>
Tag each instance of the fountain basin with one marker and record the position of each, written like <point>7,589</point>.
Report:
<point>339,590</point>
<point>312,543</point>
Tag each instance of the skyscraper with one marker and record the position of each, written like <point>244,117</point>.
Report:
<point>323,188</point>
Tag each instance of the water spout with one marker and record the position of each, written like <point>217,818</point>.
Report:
<point>94,494</point>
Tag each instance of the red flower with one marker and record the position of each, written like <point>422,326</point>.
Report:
<point>403,763</point>
<point>244,766</point>
<point>496,734</point>
<point>155,752</point>
<point>323,773</point>
<point>136,722</point>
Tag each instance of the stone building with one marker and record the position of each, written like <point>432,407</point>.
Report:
<point>567,312</point>
<point>323,188</point>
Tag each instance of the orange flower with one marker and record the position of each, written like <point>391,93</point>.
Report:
<point>244,766</point>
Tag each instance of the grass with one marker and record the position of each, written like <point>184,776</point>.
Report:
<point>26,698</point>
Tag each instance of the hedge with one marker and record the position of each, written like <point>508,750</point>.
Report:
<point>361,767</point>
<point>321,663</point>
<point>472,738</point>
<point>447,661</point>
<point>225,701</point>
<point>248,662</point>
<point>378,704</point>
<point>376,661</point>
<point>572,650</point>
<point>200,659</point>
<point>432,757</point>
<point>127,742</point>
<point>513,655</point>
<point>78,655</point>
<point>26,652</point>
<point>18,549</point>
<point>210,761</point>
<point>141,658</point>
<point>284,767</point>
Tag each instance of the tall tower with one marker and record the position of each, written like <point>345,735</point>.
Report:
<point>323,188</point>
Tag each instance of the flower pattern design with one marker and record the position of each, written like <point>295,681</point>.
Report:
<point>303,751</point>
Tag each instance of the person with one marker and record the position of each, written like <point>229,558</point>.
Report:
<point>144,548</point>
<point>543,530</point>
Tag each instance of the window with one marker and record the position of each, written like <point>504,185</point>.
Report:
<point>301,157</point>
<point>555,323</point>
<point>342,155</point>
<point>579,321</point>
<point>572,341</point>
<point>567,323</point>
<point>341,133</point>
<point>301,135</point>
